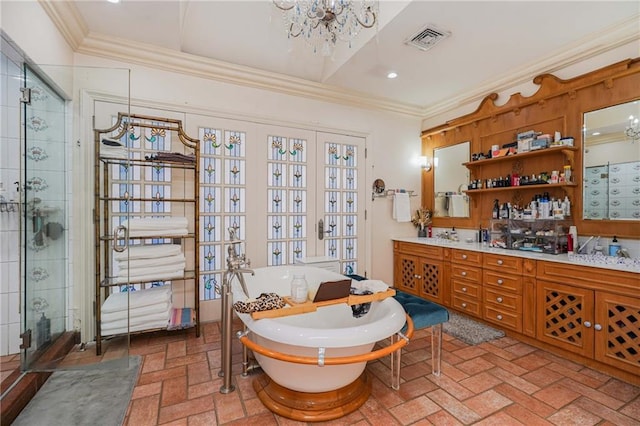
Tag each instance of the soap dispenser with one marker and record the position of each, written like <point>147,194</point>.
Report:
<point>614,247</point>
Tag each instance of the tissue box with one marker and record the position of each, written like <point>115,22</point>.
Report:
<point>540,143</point>
<point>524,145</point>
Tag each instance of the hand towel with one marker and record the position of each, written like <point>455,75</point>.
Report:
<point>374,286</point>
<point>127,300</point>
<point>458,205</point>
<point>149,251</point>
<point>439,206</point>
<point>401,207</point>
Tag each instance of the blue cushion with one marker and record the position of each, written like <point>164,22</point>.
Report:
<point>422,312</point>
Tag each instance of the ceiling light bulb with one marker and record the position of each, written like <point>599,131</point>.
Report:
<point>392,74</point>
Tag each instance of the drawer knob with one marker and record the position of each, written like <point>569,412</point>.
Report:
<point>464,289</point>
<point>500,281</point>
<point>587,324</point>
<point>499,317</point>
<point>597,327</point>
<point>463,273</point>
<point>464,305</point>
<point>499,299</point>
<point>417,276</point>
<point>500,262</point>
<point>464,256</point>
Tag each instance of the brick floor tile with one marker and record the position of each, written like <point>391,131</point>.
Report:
<point>185,409</point>
<point>620,390</point>
<point>559,360</point>
<point>254,406</point>
<point>599,375</point>
<point>415,370</point>
<point>414,410</point>
<point>198,372</point>
<point>542,377</point>
<point>470,352</point>
<point>535,405</point>
<point>146,390</point>
<point>487,403</point>
<point>500,352</point>
<point>480,382</point>
<point>415,387</point>
<point>504,364</point>
<point>176,349</point>
<point>453,406</point>
<point>605,412</point>
<point>475,366</point>
<point>174,391</point>
<point>591,393</point>
<point>573,415</point>
<point>144,411</point>
<point>498,419</point>
<point>153,362</point>
<point>452,387</point>
<point>578,376</point>
<point>384,394</point>
<point>264,419</point>
<point>208,418</point>
<point>556,395</point>
<point>204,388</point>
<point>453,372</point>
<point>514,380</point>
<point>377,414</point>
<point>228,407</point>
<point>443,418</point>
<point>520,349</point>
<point>525,416</point>
<point>187,359</point>
<point>632,409</point>
<point>158,376</point>
<point>178,422</point>
<point>531,361</point>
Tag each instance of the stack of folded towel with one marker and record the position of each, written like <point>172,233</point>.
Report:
<point>136,311</point>
<point>113,149</point>
<point>157,226</point>
<point>154,262</point>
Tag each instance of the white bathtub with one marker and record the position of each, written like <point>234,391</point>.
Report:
<point>331,327</point>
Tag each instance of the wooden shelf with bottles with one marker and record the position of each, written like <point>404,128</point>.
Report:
<point>522,187</point>
<point>567,150</point>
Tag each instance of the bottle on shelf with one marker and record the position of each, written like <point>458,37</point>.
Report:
<point>496,210</point>
<point>299,289</point>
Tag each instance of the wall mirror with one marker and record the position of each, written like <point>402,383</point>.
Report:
<point>611,159</point>
<point>450,179</point>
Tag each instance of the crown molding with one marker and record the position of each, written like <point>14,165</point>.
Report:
<point>586,48</point>
<point>67,19</point>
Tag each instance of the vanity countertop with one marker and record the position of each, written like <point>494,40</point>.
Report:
<point>606,262</point>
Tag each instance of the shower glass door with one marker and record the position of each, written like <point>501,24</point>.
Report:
<point>44,239</point>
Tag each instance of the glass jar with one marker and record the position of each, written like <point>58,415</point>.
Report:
<point>299,288</point>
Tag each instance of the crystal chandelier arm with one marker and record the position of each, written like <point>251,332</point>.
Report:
<point>367,12</point>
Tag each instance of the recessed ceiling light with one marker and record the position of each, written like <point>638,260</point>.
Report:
<point>392,74</point>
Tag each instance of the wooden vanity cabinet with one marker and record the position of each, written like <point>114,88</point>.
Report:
<point>502,276</point>
<point>419,270</point>
<point>466,281</point>
<point>590,311</point>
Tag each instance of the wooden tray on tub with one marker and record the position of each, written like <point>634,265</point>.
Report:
<point>293,308</point>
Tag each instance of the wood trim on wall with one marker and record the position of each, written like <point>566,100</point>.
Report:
<point>557,105</point>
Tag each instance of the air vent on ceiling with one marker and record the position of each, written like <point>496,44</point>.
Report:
<point>427,37</point>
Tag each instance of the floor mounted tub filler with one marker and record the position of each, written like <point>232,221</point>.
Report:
<point>314,362</point>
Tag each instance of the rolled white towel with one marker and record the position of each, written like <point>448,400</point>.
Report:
<point>159,317</point>
<point>150,277</point>
<point>139,311</point>
<point>374,286</point>
<point>145,263</point>
<point>167,232</point>
<point>149,270</point>
<point>148,251</point>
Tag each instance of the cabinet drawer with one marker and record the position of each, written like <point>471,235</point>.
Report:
<point>503,301</point>
<point>504,319</point>
<point>419,249</point>
<point>466,273</point>
<point>471,307</point>
<point>505,282</point>
<point>466,256</point>
<point>499,262</point>
<point>467,289</point>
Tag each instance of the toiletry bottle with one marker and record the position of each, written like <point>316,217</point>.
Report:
<point>480,233</point>
<point>299,288</point>
<point>496,210</point>
<point>614,247</point>
<point>429,231</point>
<point>569,243</point>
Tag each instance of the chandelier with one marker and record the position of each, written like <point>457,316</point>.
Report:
<point>633,129</point>
<point>321,23</point>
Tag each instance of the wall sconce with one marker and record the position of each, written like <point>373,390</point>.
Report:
<point>424,163</point>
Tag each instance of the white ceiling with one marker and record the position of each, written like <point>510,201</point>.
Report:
<point>491,43</point>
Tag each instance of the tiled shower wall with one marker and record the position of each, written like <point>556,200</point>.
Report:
<point>10,74</point>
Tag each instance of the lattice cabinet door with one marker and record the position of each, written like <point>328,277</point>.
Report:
<point>431,281</point>
<point>565,317</point>
<point>617,331</point>
<point>406,273</point>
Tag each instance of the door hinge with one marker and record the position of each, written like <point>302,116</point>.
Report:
<point>26,339</point>
<point>365,152</point>
<point>365,215</point>
<point>26,95</point>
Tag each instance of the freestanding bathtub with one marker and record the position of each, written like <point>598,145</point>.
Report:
<point>333,328</point>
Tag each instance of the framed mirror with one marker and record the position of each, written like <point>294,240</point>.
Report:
<point>450,180</point>
<point>611,161</point>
